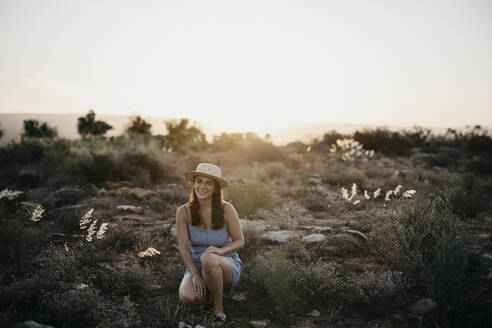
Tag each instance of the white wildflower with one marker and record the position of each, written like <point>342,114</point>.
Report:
<point>353,191</point>
<point>101,231</point>
<point>333,149</point>
<point>149,252</point>
<point>91,231</point>
<point>67,249</point>
<point>356,202</point>
<point>377,193</point>
<point>397,190</point>
<point>10,194</point>
<point>388,194</point>
<point>33,210</point>
<point>308,149</point>
<point>86,219</point>
<point>409,193</point>
<point>344,193</point>
<point>366,195</point>
<point>81,286</point>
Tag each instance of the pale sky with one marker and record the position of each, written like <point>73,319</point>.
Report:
<point>251,65</point>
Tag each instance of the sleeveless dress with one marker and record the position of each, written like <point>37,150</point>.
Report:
<point>201,239</point>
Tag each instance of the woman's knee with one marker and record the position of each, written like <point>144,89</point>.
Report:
<point>209,260</point>
<point>191,299</point>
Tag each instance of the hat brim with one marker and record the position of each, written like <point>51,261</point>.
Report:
<point>190,175</point>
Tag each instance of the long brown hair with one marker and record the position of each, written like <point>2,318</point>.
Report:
<point>218,220</point>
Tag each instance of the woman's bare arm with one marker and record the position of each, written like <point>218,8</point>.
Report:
<point>184,240</point>
<point>234,226</point>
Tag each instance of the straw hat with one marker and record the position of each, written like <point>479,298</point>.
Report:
<point>208,170</point>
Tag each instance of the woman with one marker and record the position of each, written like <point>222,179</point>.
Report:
<point>209,235</point>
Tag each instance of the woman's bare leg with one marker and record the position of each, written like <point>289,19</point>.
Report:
<point>187,294</point>
<point>217,274</point>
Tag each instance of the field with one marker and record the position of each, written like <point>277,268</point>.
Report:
<point>371,229</point>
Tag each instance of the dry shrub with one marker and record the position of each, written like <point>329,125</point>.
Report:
<point>344,175</point>
<point>249,195</point>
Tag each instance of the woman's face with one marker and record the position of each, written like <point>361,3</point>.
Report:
<point>204,187</point>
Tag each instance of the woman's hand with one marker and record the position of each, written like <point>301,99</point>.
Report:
<point>198,284</point>
<point>214,250</point>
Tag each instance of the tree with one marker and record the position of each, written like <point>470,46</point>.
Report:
<point>180,133</point>
<point>138,126</point>
<point>88,126</point>
<point>35,129</point>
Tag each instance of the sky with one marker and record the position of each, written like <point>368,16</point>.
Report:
<point>251,65</point>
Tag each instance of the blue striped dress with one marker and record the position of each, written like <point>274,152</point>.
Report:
<point>201,239</point>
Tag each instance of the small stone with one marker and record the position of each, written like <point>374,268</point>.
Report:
<point>198,326</point>
<point>252,225</point>
<point>357,234</point>
<point>314,313</point>
<point>58,234</point>
<point>280,237</point>
<point>183,324</point>
<point>487,256</point>
<point>239,297</point>
<point>258,323</point>
<point>313,238</point>
<point>423,305</point>
<point>173,231</point>
<point>322,229</point>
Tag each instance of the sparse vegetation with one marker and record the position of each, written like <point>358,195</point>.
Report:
<point>374,258</point>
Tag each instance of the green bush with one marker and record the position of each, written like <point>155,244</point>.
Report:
<point>249,195</point>
<point>88,126</point>
<point>19,241</point>
<point>281,285</point>
<point>36,129</point>
<point>435,241</point>
<point>467,196</point>
<point>385,141</point>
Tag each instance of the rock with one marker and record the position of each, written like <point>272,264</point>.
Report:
<point>58,234</point>
<point>154,289</point>
<point>313,238</point>
<point>357,234</point>
<point>280,237</point>
<point>340,243</point>
<point>239,297</point>
<point>487,256</point>
<point>140,193</point>
<point>314,313</point>
<point>198,326</point>
<point>423,305</point>
<point>316,229</point>
<point>322,229</point>
<point>183,324</point>
<point>258,323</point>
<point>173,231</point>
<point>130,208</point>
<point>252,225</point>
<point>314,179</point>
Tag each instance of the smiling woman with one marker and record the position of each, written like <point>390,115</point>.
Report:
<point>209,236</point>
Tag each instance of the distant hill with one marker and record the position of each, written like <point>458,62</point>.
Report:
<point>67,127</point>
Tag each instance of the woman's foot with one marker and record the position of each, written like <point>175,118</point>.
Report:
<point>218,320</point>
